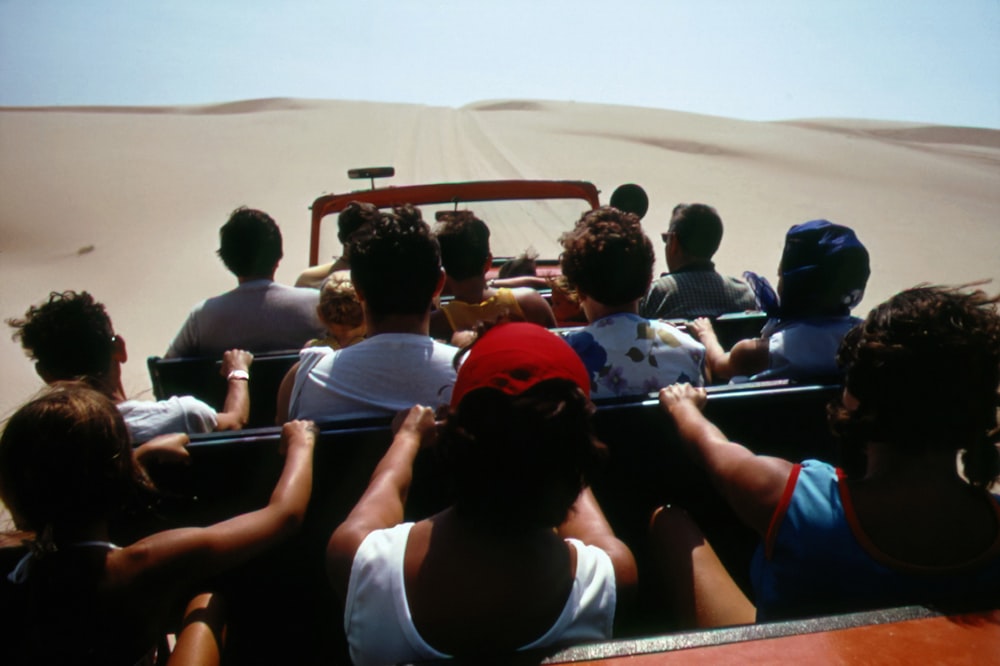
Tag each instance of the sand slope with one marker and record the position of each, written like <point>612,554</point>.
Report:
<point>126,202</point>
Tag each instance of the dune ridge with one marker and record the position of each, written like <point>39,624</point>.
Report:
<point>126,202</point>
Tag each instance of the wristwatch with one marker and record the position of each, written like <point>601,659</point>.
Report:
<point>238,374</point>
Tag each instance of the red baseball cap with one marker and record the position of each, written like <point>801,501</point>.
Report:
<point>514,356</point>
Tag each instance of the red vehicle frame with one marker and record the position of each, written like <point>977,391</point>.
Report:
<point>439,193</point>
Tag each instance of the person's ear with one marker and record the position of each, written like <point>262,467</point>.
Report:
<point>119,352</point>
<point>440,284</point>
<point>488,264</point>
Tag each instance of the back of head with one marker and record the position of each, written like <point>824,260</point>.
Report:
<point>521,265</point>
<point>66,458</point>
<point>465,243</point>
<point>519,441</point>
<point>70,336</point>
<point>339,304</point>
<point>250,243</point>
<point>824,269</point>
<point>397,265</point>
<point>925,369</point>
<point>353,218</point>
<point>698,229</point>
<point>608,257</point>
<point>630,198</point>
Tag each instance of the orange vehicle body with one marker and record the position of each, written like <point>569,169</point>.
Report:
<point>443,193</point>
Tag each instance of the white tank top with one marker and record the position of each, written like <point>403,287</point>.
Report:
<point>377,617</point>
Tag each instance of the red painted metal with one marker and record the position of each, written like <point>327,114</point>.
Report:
<point>486,190</point>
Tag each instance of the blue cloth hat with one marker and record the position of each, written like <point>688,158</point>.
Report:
<point>824,267</point>
<point>825,262</point>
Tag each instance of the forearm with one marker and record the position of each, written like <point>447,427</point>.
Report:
<point>390,482</point>
<point>716,358</point>
<point>236,410</point>
<point>699,436</point>
<point>294,488</point>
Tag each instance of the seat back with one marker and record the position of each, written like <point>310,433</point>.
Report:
<point>199,376</point>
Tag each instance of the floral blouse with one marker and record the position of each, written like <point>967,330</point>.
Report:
<point>627,355</point>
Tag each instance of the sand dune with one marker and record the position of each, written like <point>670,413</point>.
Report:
<point>126,201</point>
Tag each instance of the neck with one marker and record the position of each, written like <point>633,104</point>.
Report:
<point>418,324</point>
<point>242,279</point>
<point>886,464</point>
<point>470,290</point>
<point>75,531</point>
<point>595,310</point>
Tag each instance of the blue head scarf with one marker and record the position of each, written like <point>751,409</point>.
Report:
<point>823,266</point>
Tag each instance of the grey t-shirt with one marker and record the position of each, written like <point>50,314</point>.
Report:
<point>259,316</point>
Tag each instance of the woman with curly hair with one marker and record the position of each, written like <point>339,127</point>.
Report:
<point>523,558</point>
<point>608,260</point>
<point>921,387</point>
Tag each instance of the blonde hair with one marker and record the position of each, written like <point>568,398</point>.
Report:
<point>339,304</point>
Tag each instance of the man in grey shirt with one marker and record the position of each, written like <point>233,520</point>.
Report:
<point>693,288</point>
<point>259,315</point>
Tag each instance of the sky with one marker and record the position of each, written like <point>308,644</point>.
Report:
<point>929,61</point>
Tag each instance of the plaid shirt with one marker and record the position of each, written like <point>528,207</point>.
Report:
<point>696,291</point>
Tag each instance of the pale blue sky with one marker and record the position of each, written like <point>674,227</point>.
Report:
<point>935,61</point>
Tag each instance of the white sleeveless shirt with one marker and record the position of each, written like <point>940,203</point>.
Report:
<point>380,629</point>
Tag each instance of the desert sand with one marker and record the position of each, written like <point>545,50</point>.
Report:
<point>126,202</point>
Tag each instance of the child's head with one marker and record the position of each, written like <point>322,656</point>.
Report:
<point>564,300</point>
<point>824,269</point>
<point>339,307</point>
<point>924,368</point>
<point>66,459</point>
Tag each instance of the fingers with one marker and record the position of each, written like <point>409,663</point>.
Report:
<point>675,394</point>
<point>236,359</point>
<point>298,432</point>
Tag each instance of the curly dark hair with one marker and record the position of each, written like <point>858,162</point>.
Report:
<point>465,243</point>
<point>355,215</point>
<point>70,336</point>
<point>250,243</point>
<point>608,257</point>
<point>925,369</point>
<point>66,458</point>
<point>520,461</point>
<point>397,265</point>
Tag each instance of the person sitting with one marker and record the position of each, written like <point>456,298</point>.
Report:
<point>260,315</point>
<point>340,310</point>
<point>66,471</point>
<point>524,558</point>
<point>396,271</point>
<point>609,261</point>
<point>466,257</point>
<point>523,265</point>
<point>823,273</point>
<point>693,288</point>
<point>71,337</point>
<point>565,303</point>
<point>356,218</point>
<point>911,529</point>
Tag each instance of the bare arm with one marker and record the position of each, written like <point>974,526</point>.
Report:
<point>535,308</point>
<point>747,357</point>
<point>170,448</point>
<point>382,504</point>
<point>176,557</point>
<point>285,395</point>
<point>236,410</point>
<point>752,484</point>
<point>587,523</point>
